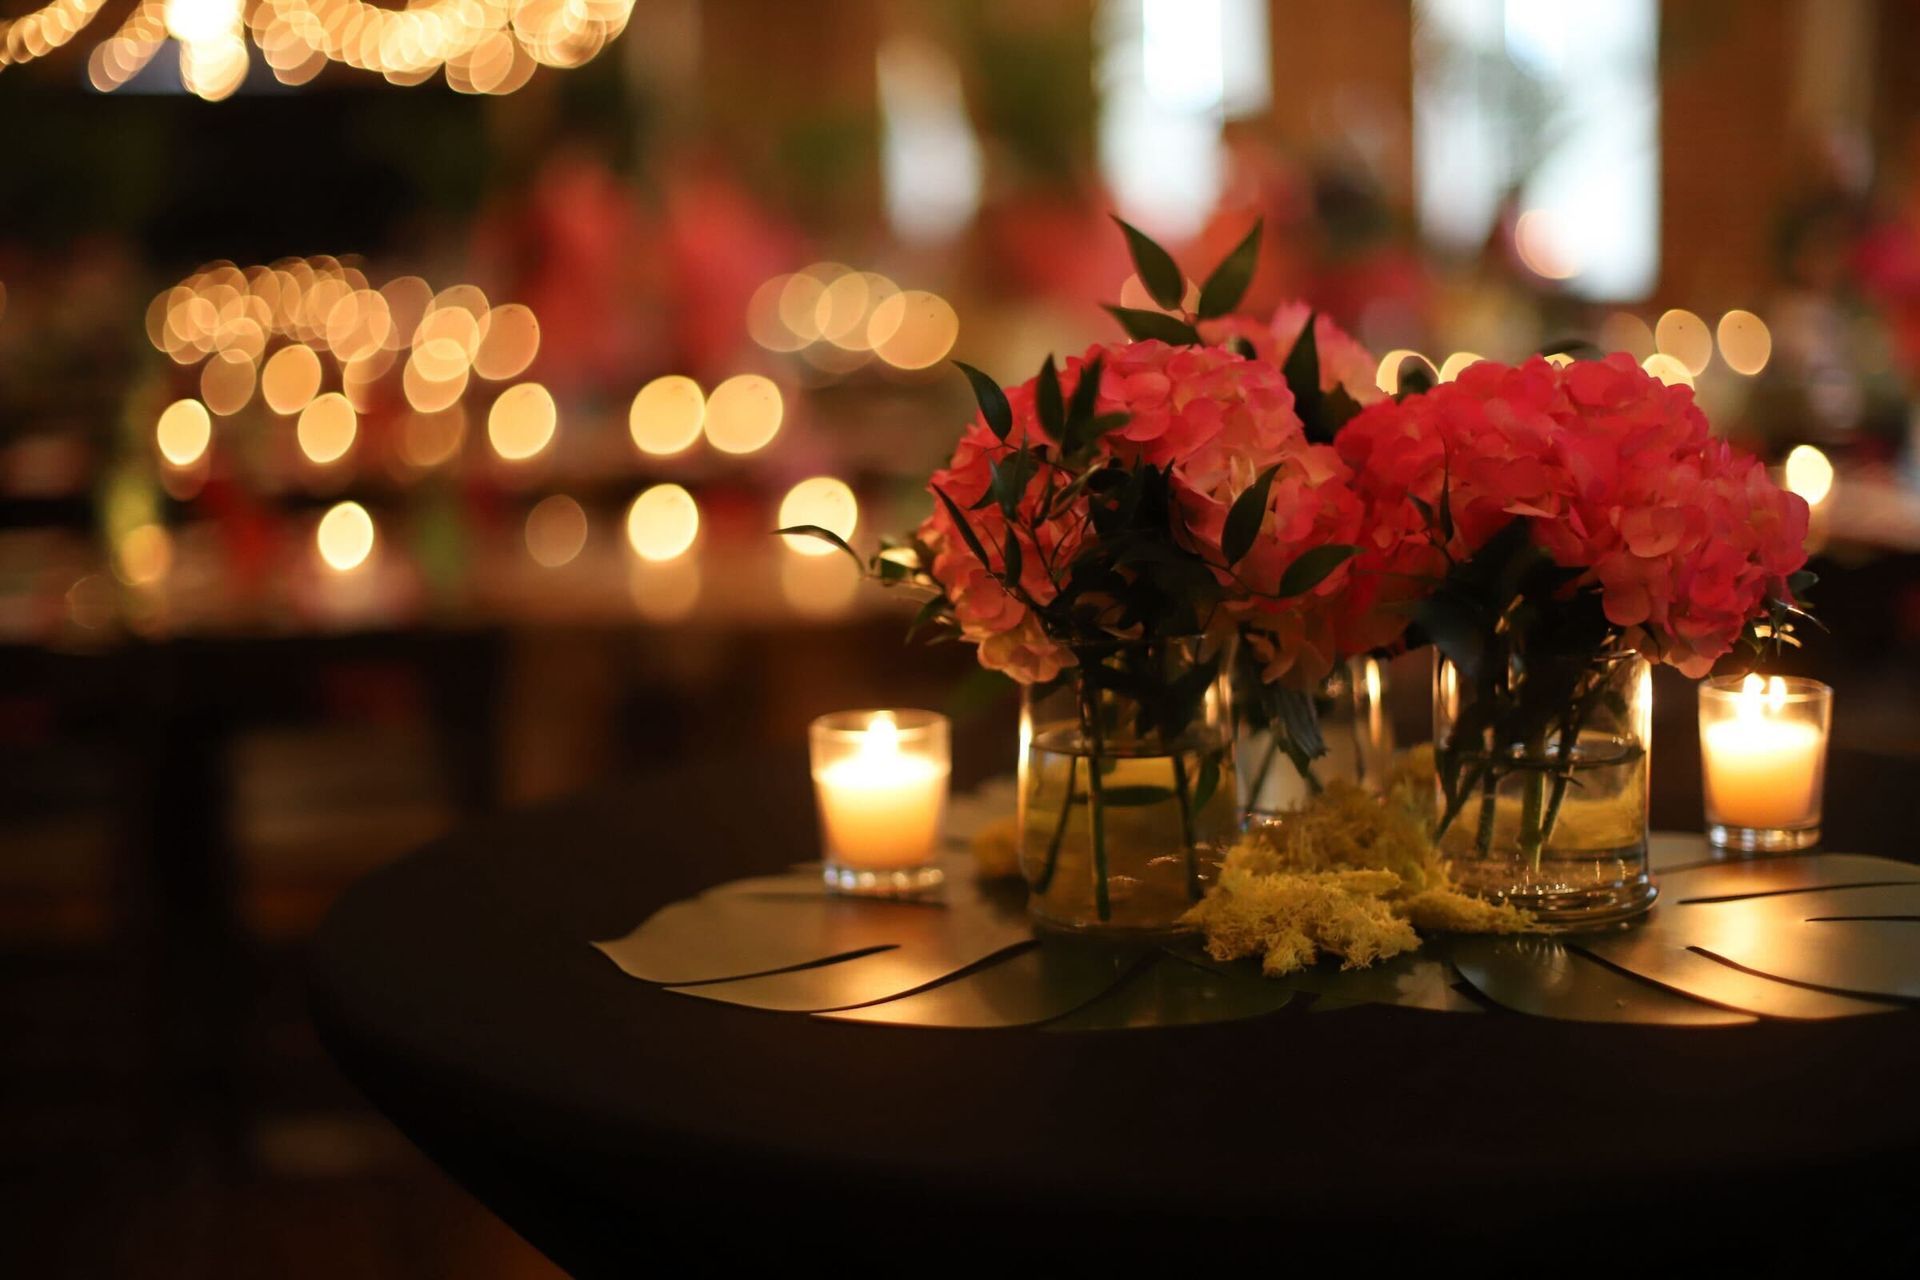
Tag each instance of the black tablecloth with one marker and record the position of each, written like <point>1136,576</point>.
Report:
<point>613,1123</point>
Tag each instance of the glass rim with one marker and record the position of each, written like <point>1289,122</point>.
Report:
<point>1795,689</point>
<point>911,722</point>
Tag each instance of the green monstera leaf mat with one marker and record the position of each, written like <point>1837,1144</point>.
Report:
<point>1813,936</point>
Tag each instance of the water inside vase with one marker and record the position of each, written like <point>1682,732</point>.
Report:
<point>1166,821</point>
<point>1596,843</point>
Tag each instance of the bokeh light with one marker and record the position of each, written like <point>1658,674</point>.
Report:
<point>144,555</point>
<point>1809,474</point>
<point>1625,331</point>
<point>1745,341</point>
<point>819,588</point>
<point>556,531</point>
<point>1669,369</point>
<point>429,439</point>
<point>663,522</point>
<point>743,413</point>
<point>667,415</point>
<point>1684,336</point>
<point>1544,246</point>
<point>522,421</point>
<point>1451,367</point>
<point>344,536</point>
<point>822,501</point>
<point>183,432</point>
<point>511,342</point>
<point>1387,377</point>
<point>326,428</point>
<point>290,378</point>
<point>226,383</point>
<point>913,329</point>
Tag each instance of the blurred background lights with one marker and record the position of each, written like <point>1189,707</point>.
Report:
<point>1809,474</point>
<point>1684,336</point>
<point>556,531</point>
<point>1393,364</point>
<point>1544,246</point>
<point>913,329</point>
<point>1450,368</point>
<point>226,383</point>
<point>822,501</point>
<point>511,342</point>
<point>429,439</point>
<point>144,555</point>
<point>667,415</point>
<point>1669,369</point>
<point>1745,342</point>
<point>662,522</point>
<point>183,432</point>
<point>522,421</point>
<point>344,537</point>
<point>1625,331</point>
<point>326,428</point>
<point>743,413</point>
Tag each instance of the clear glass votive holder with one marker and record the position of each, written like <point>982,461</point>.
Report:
<point>880,784</point>
<point>1763,753</point>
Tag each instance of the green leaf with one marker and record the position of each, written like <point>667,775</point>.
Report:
<point>1244,517</point>
<point>1207,783</point>
<point>1086,393</point>
<point>1337,409</point>
<point>992,400</point>
<point>967,534</point>
<point>1311,567</point>
<point>1156,267</point>
<point>825,535</point>
<point>1011,476</point>
<point>929,613</point>
<point>1134,797</point>
<point>1228,283</point>
<point>1048,402</point>
<point>1302,370</point>
<point>1013,559</point>
<point>1802,582</point>
<point>1145,325</point>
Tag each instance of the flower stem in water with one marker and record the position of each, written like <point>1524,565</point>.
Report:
<point>1059,830</point>
<point>1186,824</point>
<point>1096,803</point>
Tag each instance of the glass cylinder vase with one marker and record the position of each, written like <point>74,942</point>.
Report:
<point>1127,794</point>
<point>1542,784</point>
<point>1290,745</point>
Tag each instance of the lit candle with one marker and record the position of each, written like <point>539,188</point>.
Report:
<point>880,779</point>
<point>1763,749</point>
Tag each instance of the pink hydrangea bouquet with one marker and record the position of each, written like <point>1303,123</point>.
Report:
<point>1544,524</point>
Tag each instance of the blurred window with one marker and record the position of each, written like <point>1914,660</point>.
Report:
<point>930,159</point>
<point>1554,105</point>
<point>1169,73</point>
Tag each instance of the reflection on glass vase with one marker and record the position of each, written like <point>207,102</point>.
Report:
<point>1289,745</point>
<point>1542,785</point>
<point>1127,795</point>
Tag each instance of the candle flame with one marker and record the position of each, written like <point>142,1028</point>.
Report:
<point>1753,690</point>
<point>883,735</point>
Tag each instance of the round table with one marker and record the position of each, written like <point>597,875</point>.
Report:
<point>614,1123</point>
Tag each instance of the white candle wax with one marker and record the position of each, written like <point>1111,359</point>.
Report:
<point>1762,770</point>
<point>880,807</point>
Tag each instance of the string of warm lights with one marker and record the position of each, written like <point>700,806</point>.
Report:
<point>39,33</point>
<point>481,46</point>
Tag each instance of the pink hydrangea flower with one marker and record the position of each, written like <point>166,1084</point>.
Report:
<point>1344,362</point>
<point>1618,475</point>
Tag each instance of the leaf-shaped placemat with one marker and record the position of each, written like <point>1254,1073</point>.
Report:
<point>1815,936</point>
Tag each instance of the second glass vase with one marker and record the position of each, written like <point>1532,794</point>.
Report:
<point>1542,785</point>
<point>1290,745</point>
